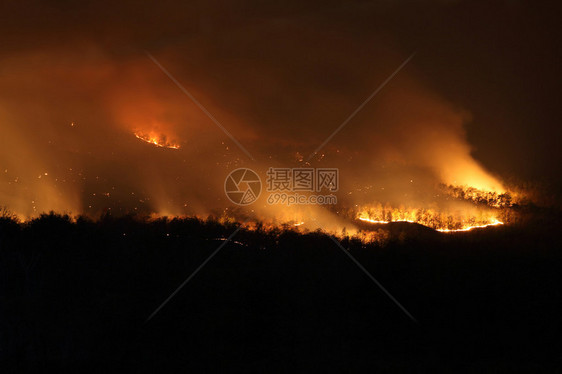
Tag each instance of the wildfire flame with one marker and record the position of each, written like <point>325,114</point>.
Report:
<point>494,222</point>
<point>157,140</point>
<point>481,209</point>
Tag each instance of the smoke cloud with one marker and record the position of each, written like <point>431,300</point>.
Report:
<point>280,82</point>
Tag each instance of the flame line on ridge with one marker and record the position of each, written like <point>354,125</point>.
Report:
<point>496,222</point>
<point>156,143</point>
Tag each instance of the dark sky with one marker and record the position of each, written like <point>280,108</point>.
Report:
<point>283,75</point>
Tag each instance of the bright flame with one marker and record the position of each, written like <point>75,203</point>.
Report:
<point>157,140</point>
<point>437,221</point>
<point>494,223</point>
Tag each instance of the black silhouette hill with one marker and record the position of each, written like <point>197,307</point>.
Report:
<point>76,295</point>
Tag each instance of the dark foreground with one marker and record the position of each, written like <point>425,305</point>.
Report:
<point>75,296</point>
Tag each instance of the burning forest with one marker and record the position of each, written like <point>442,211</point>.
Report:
<point>288,144</point>
<point>393,160</point>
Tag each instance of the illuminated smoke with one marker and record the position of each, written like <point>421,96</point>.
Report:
<point>76,123</point>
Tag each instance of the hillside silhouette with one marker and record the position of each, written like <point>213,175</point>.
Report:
<point>76,294</point>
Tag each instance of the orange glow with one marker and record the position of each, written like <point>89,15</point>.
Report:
<point>439,221</point>
<point>471,208</point>
<point>496,199</point>
<point>494,223</point>
<point>157,140</point>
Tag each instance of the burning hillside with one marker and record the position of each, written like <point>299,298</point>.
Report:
<point>394,153</point>
<point>157,140</point>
